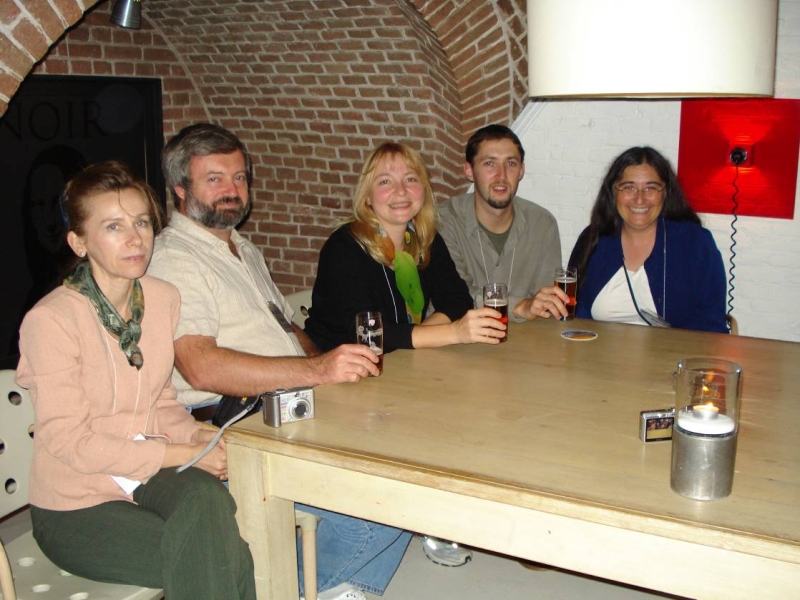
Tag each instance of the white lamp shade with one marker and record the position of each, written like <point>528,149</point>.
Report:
<point>651,48</point>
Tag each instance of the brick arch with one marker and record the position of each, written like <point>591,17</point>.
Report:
<point>310,117</point>
<point>28,32</point>
<point>489,68</point>
<point>486,44</point>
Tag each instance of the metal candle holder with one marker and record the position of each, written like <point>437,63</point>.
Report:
<point>706,427</point>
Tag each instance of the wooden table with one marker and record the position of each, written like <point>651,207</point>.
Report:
<point>531,448</point>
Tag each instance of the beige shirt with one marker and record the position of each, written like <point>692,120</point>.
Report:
<point>222,296</point>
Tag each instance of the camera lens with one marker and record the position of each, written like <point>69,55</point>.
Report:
<point>301,409</point>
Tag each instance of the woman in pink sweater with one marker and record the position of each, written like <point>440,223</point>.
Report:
<point>97,356</point>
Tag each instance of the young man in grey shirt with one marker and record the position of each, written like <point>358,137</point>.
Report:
<point>495,236</point>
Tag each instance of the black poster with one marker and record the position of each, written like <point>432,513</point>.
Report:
<point>54,127</point>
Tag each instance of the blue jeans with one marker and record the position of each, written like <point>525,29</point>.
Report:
<point>359,552</point>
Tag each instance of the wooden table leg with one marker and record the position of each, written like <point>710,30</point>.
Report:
<point>266,523</point>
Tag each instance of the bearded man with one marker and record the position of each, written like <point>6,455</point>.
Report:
<point>494,236</point>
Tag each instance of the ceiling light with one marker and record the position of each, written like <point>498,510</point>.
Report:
<point>127,14</point>
<point>630,48</point>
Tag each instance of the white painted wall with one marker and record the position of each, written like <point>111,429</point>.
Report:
<point>570,144</point>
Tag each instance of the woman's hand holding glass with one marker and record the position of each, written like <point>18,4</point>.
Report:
<point>480,325</point>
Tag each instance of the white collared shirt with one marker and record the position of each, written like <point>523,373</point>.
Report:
<point>222,296</point>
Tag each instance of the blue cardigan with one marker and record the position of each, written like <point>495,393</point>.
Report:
<point>695,281</point>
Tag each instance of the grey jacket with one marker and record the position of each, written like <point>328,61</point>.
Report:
<point>533,247</point>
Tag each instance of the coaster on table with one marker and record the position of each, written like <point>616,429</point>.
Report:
<point>578,335</point>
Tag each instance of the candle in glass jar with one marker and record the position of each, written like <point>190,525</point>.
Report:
<point>705,419</point>
<point>705,412</point>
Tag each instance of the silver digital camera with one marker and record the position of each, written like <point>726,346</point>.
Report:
<point>656,425</point>
<point>287,406</point>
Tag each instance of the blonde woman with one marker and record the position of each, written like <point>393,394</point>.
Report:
<point>390,258</point>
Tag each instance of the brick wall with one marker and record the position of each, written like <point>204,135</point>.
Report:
<point>310,86</point>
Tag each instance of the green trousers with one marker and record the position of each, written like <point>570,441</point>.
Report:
<point>181,535</point>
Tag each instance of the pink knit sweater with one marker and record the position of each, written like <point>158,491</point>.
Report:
<point>90,403</point>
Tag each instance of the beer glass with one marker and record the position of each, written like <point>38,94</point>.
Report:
<point>369,332</point>
<point>495,295</point>
<point>567,280</point>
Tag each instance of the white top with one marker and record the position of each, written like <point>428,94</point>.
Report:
<point>614,302</point>
<point>222,296</point>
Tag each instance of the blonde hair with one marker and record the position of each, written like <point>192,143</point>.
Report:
<point>365,226</point>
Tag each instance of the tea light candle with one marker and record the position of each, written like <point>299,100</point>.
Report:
<point>704,419</point>
<point>705,412</point>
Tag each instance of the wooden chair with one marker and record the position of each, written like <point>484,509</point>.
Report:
<point>24,570</point>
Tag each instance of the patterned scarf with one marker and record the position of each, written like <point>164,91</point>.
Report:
<point>128,332</point>
<point>406,274</point>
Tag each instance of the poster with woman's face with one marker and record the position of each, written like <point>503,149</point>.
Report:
<point>54,127</point>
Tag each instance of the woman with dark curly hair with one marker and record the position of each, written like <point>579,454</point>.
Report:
<point>645,257</point>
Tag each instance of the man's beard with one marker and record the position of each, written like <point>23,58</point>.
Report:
<point>499,203</point>
<point>212,218</point>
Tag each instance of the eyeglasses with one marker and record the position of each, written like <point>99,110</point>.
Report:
<point>650,192</point>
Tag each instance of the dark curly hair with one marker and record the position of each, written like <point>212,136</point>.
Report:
<point>605,219</point>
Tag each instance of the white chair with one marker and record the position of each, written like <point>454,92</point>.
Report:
<point>300,303</point>
<point>25,573</point>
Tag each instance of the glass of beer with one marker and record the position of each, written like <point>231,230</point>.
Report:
<point>369,332</point>
<point>495,295</point>
<point>567,280</point>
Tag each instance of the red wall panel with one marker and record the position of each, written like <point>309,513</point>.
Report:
<point>768,128</point>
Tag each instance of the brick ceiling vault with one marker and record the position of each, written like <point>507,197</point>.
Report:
<point>310,86</point>
<point>484,41</point>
